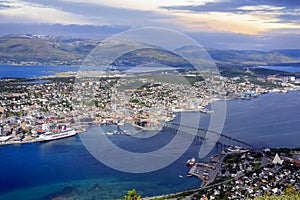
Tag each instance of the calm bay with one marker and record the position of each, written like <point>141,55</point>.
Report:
<point>65,169</point>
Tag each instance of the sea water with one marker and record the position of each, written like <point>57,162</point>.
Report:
<point>65,169</point>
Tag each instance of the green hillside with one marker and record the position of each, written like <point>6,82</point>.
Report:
<point>28,49</point>
<point>43,50</point>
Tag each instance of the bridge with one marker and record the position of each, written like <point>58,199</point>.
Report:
<point>201,135</point>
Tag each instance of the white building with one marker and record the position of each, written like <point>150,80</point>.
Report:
<point>277,160</point>
<point>293,78</point>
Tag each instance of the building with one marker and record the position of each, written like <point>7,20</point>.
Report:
<point>1,130</point>
<point>277,160</point>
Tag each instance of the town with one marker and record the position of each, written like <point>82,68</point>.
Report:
<point>30,108</point>
<point>245,174</point>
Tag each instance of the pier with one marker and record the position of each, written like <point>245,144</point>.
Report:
<point>197,169</point>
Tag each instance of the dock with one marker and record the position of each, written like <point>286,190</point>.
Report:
<point>198,170</point>
<point>207,172</point>
<point>194,171</point>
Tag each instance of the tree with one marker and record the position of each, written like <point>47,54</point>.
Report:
<point>279,197</point>
<point>289,194</point>
<point>132,195</point>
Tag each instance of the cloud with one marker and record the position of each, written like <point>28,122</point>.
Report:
<point>80,12</point>
<point>268,41</point>
<point>291,17</point>
<point>8,4</point>
<point>264,8</point>
<point>25,12</point>
<point>237,23</point>
<point>149,5</point>
<point>285,3</point>
<point>83,31</point>
<point>237,6</point>
<point>249,17</point>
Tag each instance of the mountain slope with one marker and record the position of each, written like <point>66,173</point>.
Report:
<point>45,50</point>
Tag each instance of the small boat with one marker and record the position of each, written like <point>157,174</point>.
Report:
<point>191,162</point>
<point>34,135</point>
<point>180,176</point>
<point>17,138</point>
<point>126,132</point>
<point>109,133</point>
<point>223,152</point>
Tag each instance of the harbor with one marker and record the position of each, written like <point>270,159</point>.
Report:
<point>42,137</point>
<point>25,110</point>
<point>61,153</point>
<point>208,171</point>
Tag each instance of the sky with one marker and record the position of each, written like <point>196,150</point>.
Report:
<point>223,24</point>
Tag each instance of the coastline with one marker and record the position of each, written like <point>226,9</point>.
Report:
<point>19,142</point>
<point>36,140</point>
<point>266,160</point>
<point>78,131</point>
<point>176,176</point>
<point>275,91</point>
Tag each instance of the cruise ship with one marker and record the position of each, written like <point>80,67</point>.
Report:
<point>63,133</point>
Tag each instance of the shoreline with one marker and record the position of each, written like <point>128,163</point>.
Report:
<point>36,140</point>
<point>18,142</point>
<point>152,128</point>
<point>188,193</point>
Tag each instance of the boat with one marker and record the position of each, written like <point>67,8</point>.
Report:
<point>191,162</point>
<point>17,138</point>
<point>223,152</point>
<point>5,138</point>
<point>50,135</point>
<point>109,133</point>
<point>126,132</point>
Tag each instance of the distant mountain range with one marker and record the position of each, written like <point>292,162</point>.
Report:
<point>46,50</point>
